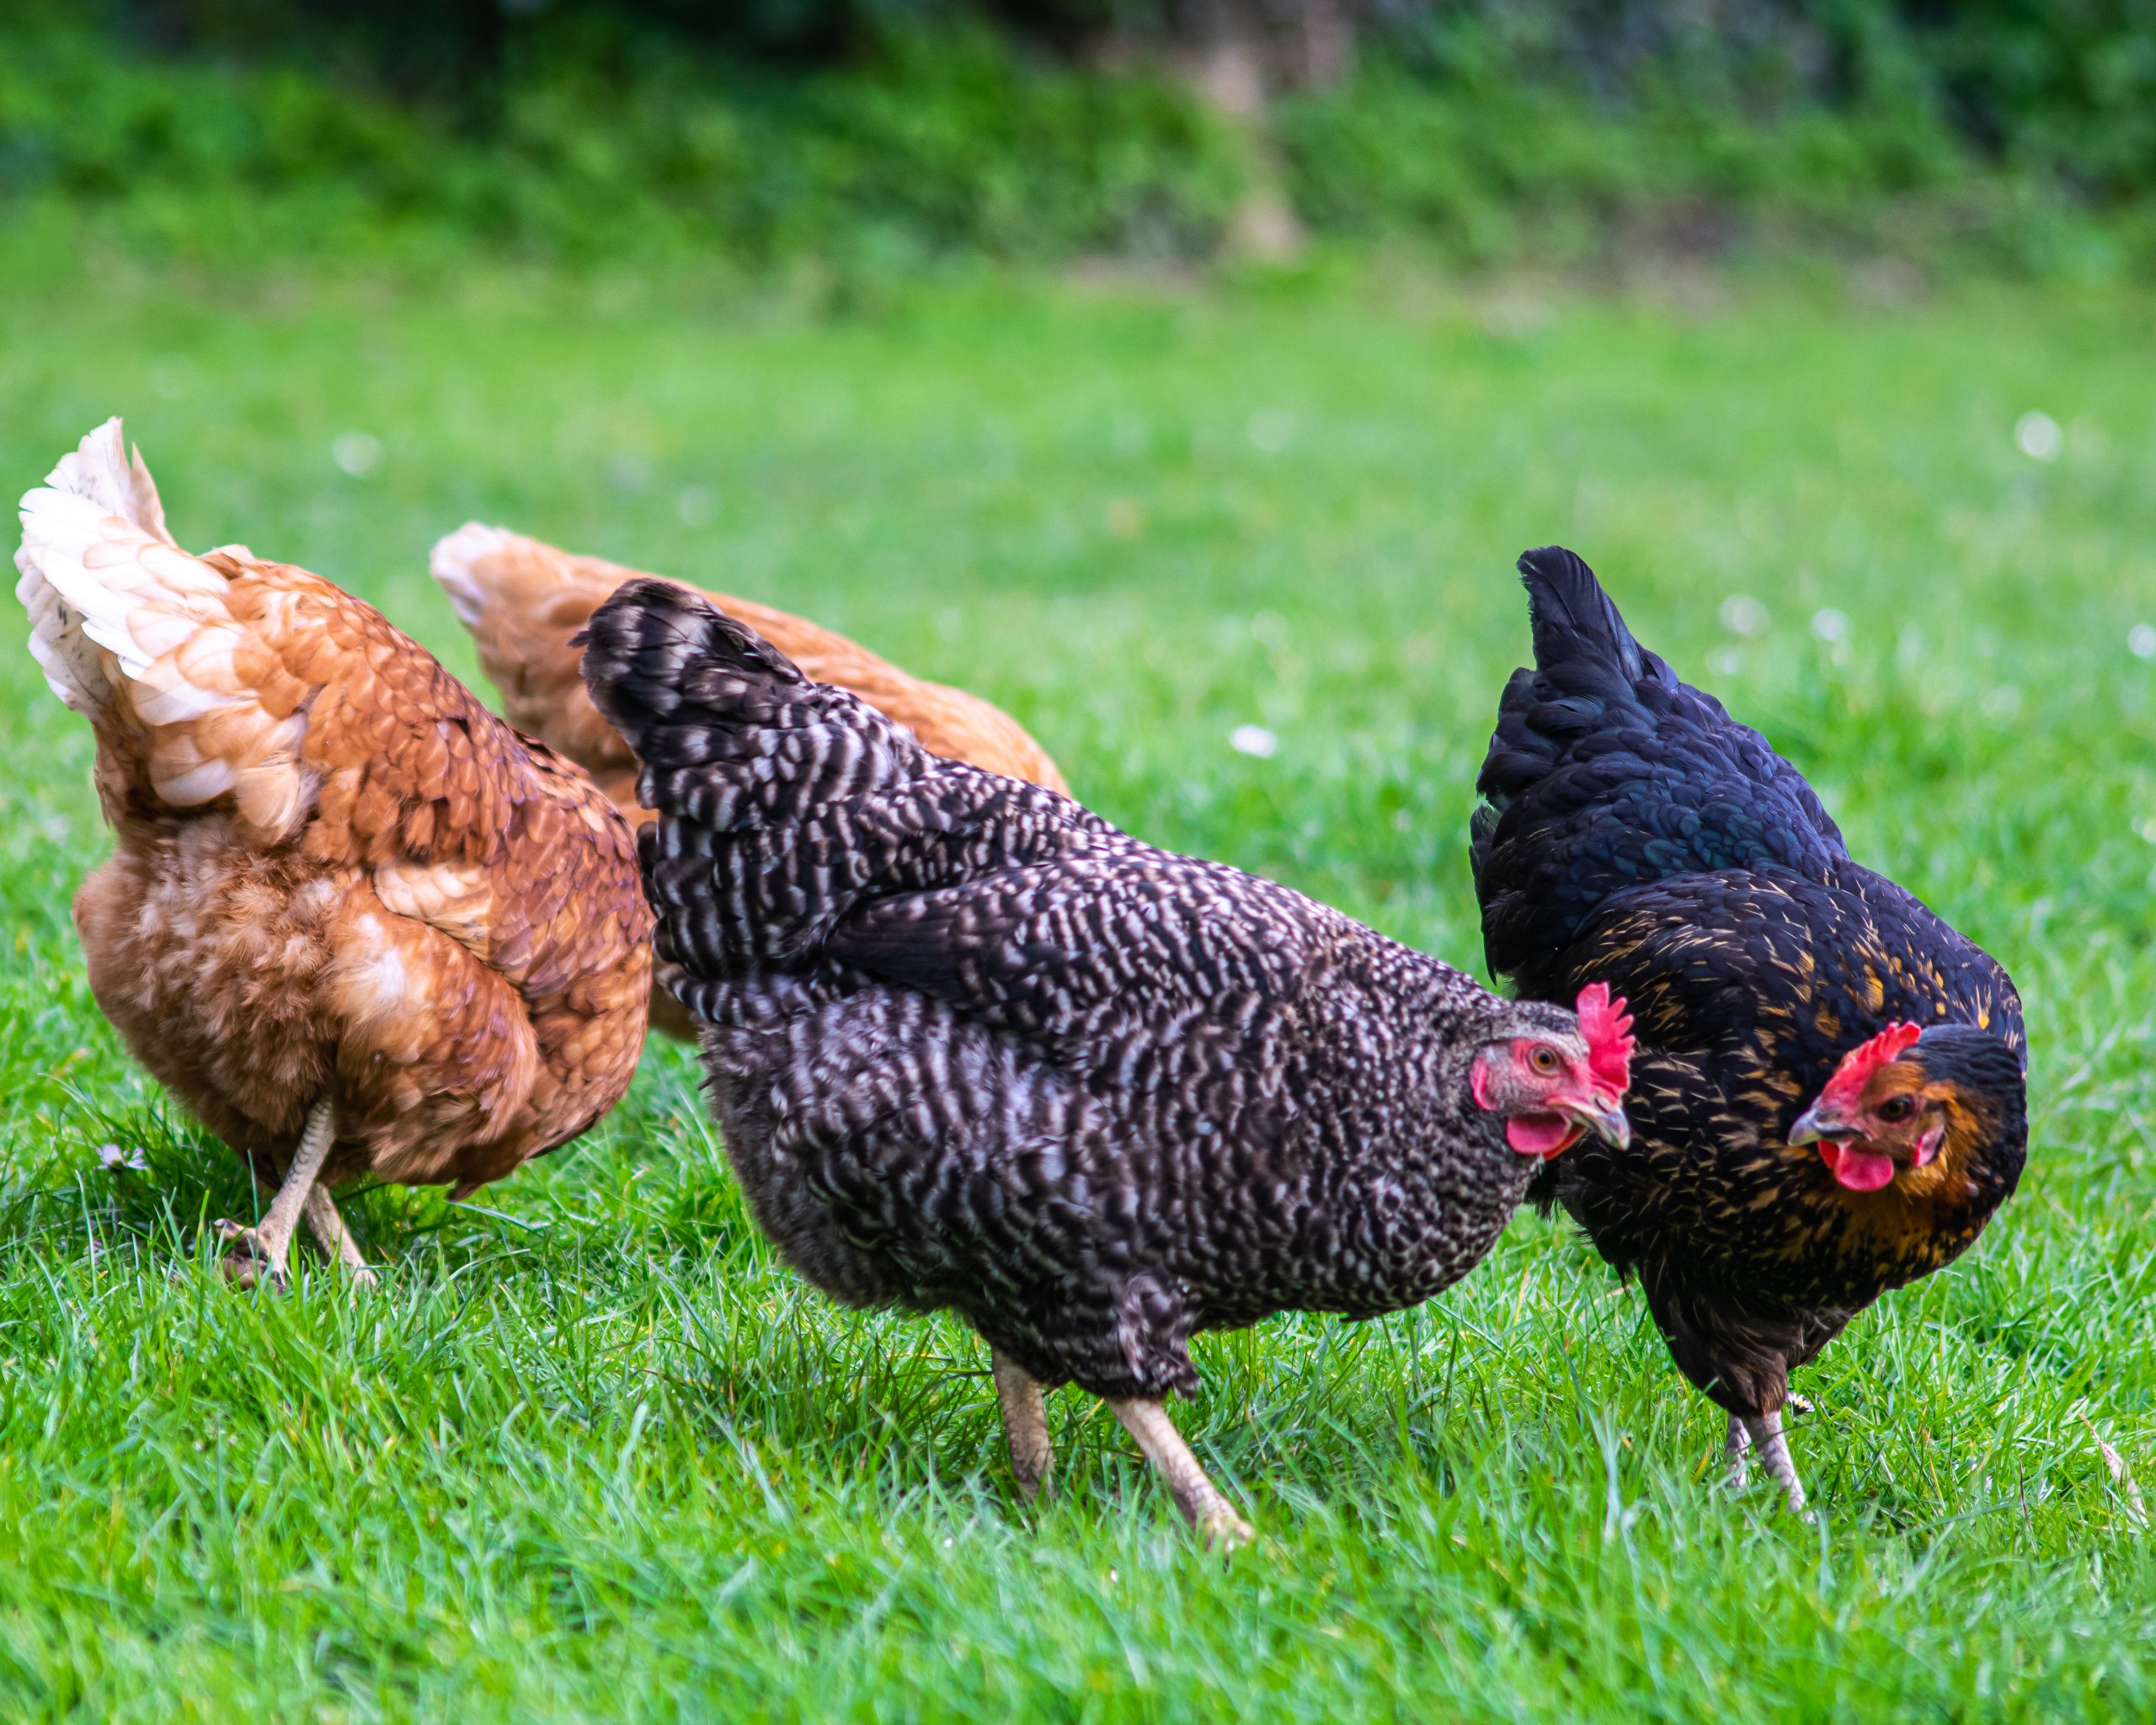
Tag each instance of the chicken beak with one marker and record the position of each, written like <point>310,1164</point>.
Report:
<point>1817,1122</point>
<point>1608,1121</point>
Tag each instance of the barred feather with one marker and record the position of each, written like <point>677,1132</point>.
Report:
<point>974,1047</point>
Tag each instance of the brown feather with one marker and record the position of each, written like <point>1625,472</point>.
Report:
<point>523,600</point>
<point>395,900</point>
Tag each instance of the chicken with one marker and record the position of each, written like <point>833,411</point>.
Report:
<point>523,600</point>
<point>352,919</point>
<point>973,1047</point>
<point>1828,1095</point>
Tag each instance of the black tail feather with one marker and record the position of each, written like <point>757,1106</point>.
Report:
<point>1570,610</point>
<point>729,732</point>
<point>643,646</point>
<point>1606,771</point>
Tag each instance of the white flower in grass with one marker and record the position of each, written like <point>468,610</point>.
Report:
<point>2141,640</point>
<point>1744,615</point>
<point>1254,739</point>
<point>358,453</point>
<point>2038,436</point>
<point>1830,625</point>
<point>1271,429</point>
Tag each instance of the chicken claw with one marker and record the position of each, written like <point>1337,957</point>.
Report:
<point>1199,1499</point>
<point>1773,1449</point>
<point>268,1243</point>
<point>1766,1432</point>
<point>247,1257</point>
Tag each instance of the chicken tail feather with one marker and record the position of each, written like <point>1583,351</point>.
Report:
<point>1571,612</point>
<point>730,732</point>
<point>751,766</point>
<point>75,606</point>
<point>474,569</point>
<point>141,638</point>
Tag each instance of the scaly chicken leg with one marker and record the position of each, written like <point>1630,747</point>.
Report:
<point>334,1237</point>
<point>1766,1432</point>
<point>1733,1448</point>
<point>270,1242</point>
<point>1198,1499</point>
<point>1025,1424</point>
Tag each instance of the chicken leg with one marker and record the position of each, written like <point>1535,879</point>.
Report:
<point>1766,1432</point>
<point>1733,1448</point>
<point>1198,1499</point>
<point>1774,1450</point>
<point>268,1243</point>
<point>1025,1423</point>
<point>334,1237</point>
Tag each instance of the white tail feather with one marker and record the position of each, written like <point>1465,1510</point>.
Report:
<point>128,628</point>
<point>453,562</point>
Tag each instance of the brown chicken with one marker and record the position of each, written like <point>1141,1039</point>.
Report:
<point>352,919</point>
<point>523,599</point>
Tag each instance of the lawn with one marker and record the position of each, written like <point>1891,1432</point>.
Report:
<point>592,1453</point>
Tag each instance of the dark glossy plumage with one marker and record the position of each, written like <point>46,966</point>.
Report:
<point>1633,831</point>
<point>974,1047</point>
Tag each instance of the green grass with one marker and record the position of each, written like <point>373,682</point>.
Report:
<point>592,1453</point>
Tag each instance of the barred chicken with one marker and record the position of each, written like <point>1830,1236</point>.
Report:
<point>524,601</point>
<point>352,920</point>
<point>972,1047</point>
<point>1828,1095</point>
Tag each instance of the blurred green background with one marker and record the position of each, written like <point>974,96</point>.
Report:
<point>879,135</point>
<point>1161,373</point>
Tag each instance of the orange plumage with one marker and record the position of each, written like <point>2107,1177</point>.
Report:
<point>523,599</point>
<point>343,896</point>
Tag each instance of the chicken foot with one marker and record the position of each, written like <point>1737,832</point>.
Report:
<point>1766,1432</point>
<point>1025,1424</point>
<point>1734,1446</point>
<point>268,1245</point>
<point>1198,1499</point>
<point>334,1238</point>
<point>1773,1449</point>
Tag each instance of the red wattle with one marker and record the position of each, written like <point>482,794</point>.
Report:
<point>1539,1134</point>
<point>1860,1170</point>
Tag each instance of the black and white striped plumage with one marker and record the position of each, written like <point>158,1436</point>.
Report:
<point>972,1047</point>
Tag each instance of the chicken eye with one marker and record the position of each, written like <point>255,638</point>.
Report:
<point>1543,1059</point>
<point>1895,1108</point>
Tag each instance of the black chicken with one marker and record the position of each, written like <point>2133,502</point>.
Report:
<point>972,1047</point>
<point>1828,1098</point>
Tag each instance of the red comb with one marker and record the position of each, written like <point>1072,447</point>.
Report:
<point>1608,1028</point>
<point>1860,1062</point>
